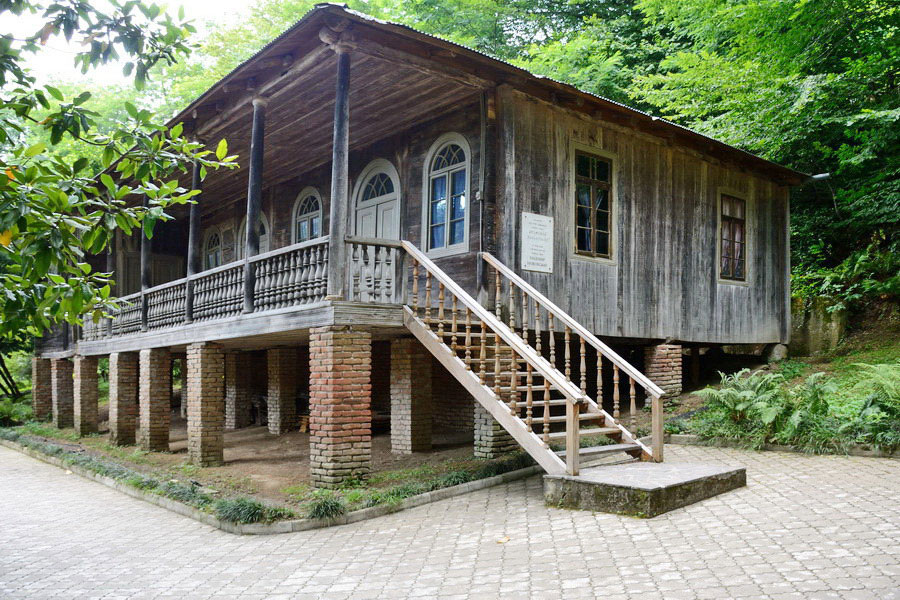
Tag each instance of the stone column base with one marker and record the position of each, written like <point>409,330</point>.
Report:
<point>123,397</point>
<point>205,404</point>
<point>662,365</point>
<point>41,389</point>
<point>410,376</point>
<point>63,393</point>
<point>155,400</point>
<point>491,440</point>
<point>86,395</point>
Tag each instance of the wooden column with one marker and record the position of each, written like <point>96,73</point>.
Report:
<point>193,250</point>
<point>145,270</point>
<point>339,214</point>
<point>254,198</point>
<point>111,268</point>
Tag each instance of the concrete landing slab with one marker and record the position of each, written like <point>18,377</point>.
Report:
<point>641,489</point>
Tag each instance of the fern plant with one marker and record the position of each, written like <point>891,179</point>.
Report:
<point>744,393</point>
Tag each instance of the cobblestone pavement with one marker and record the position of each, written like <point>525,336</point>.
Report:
<point>805,527</point>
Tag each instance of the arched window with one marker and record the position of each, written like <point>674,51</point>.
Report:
<point>241,241</point>
<point>377,193</point>
<point>446,215</point>
<point>212,250</point>
<point>307,216</point>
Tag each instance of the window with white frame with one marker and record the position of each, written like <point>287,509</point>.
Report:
<point>212,250</point>
<point>307,216</point>
<point>448,196</point>
<point>241,241</point>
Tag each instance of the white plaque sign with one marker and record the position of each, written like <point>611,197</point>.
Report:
<point>537,243</point>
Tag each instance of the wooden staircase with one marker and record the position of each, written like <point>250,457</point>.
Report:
<point>519,381</point>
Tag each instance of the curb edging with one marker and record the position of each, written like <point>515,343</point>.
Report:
<point>279,526</point>
<point>683,439</point>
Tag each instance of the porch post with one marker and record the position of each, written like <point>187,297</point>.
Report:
<point>193,250</point>
<point>110,268</point>
<point>254,198</point>
<point>145,271</point>
<point>340,203</point>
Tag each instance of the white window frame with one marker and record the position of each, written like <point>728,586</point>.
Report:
<point>749,218</point>
<point>379,165</point>
<point>438,145</point>
<point>241,240</point>
<point>215,230</point>
<point>614,201</point>
<point>305,193</point>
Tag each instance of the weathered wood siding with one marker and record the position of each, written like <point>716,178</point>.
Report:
<point>662,280</point>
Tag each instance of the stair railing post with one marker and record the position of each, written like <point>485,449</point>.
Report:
<point>656,428</point>
<point>573,437</point>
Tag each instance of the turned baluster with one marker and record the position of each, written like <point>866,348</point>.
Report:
<point>583,366</point>
<point>482,359</point>
<point>513,382</point>
<point>415,287</point>
<point>551,340</point>
<point>497,365</point>
<point>525,300</point>
<point>633,399</point>
<point>529,397</point>
<point>537,327</point>
<point>468,339</point>
<point>453,324</point>
<point>568,353</point>
<point>377,288</point>
<point>546,412</point>
<point>441,310</point>
<point>512,307</point>
<point>428,298</point>
<point>599,378</point>
<point>497,309</point>
<point>302,276</point>
<point>616,392</point>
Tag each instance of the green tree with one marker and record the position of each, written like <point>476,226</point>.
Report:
<point>54,211</point>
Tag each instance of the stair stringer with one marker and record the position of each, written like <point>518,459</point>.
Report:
<point>528,440</point>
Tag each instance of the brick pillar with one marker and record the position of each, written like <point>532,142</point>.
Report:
<point>123,397</point>
<point>491,440</point>
<point>410,380</point>
<point>662,365</point>
<point>86,395</point>
<point>205,404</point>
<point>154,399</point>
<point>340,442</point>
<point>41,388</point>
<point>281,397</point>
<point>61,386</point>
<point>237,390</point>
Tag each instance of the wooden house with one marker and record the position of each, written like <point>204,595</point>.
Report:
<point>441,239</point>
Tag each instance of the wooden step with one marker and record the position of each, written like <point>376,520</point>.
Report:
<point>595,451</point>
<point>561,435</point>
<point>581,417</point>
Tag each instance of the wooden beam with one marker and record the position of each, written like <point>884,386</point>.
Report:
<point>340,198</point>
<point>254,199</point>
<point>264,89</point>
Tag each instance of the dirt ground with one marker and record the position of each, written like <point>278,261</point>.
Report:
<point>264,464</point>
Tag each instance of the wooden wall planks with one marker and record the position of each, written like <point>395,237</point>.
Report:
<point>662,280</point>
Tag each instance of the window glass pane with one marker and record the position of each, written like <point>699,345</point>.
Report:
<point>739,269</point>
<point>457,232</point>
<point>738,206</point>
<point>583,215</point>
<point>458,182</point>
<point>726,206</point>
<point>602,199</point>
<point>602,172</point>
<point>582,165</point>
<point>314,227</point>
<point>458,207</point>
<point>738,232</point>
<point>583,194</point>
<point>437,237</point>
<point>602,223</point>
<point>438,212</point>
<point>739,251</point>
<point>726,249</point>
<point>584,239</point>
<point>302,231</point>
<point>602,243</point>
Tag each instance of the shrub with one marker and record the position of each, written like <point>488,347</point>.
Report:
<point>878,421</point>
<point>240,510</point>
<point>9,434</point>
<point>13,413</point>
<point>140,482</point>
<point>454,478</point>
<point>188,494</point>
<point>325,505</point>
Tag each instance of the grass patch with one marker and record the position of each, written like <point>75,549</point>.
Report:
<point>325,506</point>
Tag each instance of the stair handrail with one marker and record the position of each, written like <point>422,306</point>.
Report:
<point>575,326</point>
<point>538,362</point>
